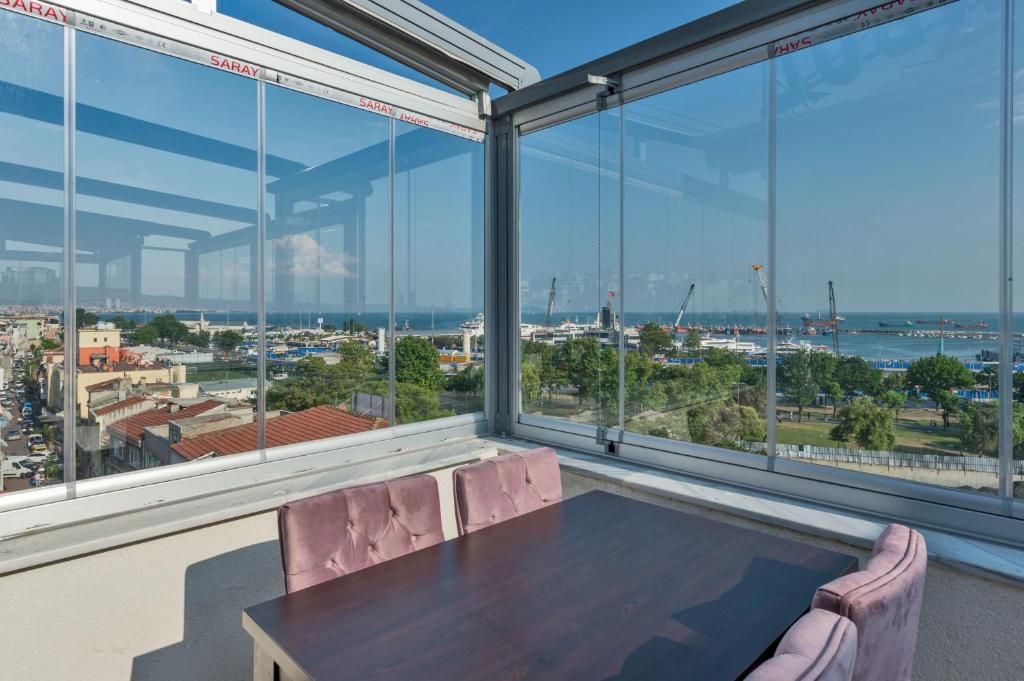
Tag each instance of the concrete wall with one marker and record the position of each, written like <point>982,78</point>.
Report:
<point>970,626</point>
<point>168,609</point>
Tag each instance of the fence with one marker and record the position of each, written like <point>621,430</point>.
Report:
<point>980,464</point>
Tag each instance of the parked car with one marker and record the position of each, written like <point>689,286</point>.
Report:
<point>21,467</point>
<point>14,434</point>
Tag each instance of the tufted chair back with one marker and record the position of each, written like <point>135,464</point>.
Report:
<point>333,534</point>
<point>884,601</point>
<point>506,486</point>
<point>821,646</point>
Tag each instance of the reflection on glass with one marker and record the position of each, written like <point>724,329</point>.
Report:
<point>32,254</point>
<point>696,241</point>
<point>439,280</point>
<point>326,268</point>
<point>166,271</point>
<point>888,233</point>
<point>1017,328</point>
<point>569,271</point>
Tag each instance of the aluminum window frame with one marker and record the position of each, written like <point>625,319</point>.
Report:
<point>995,517</point>
<point>177,30</point>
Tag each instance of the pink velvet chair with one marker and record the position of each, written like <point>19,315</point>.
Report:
<point>333,534</point>
<point>821,646</point>
<point>506,486</point>
<point>884,601</point>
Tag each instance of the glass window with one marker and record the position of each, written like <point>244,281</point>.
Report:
<point>696,239</point>
<point>569,271</point>
<point>166,273</point>
<point>439,278</point>
<point>326,267</point>
<point>888,249</point>
<point>32,255</point>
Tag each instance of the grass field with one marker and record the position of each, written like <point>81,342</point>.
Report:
<point>817,433</point>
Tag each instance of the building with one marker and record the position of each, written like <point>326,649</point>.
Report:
<point>232,388</point>
<point>317,423</point>
<point>127,436</point>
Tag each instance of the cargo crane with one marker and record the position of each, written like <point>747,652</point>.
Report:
<point>834,317</point>
<point>551,303</point>
<point>682,308</point>
<point>763,281</point>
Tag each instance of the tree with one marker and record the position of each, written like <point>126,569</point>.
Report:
<point>144,335</point>
<point>692,341</point>
<point>227,341</point>
<point>796,379</point>
<point>85,319</point>
<point>200,339</point>
<point>416,403</point>
<point>529,384</point>
<point>871,426</point>
<point>47,344</point>
<point>856,376</point>
<point>835,393</point>
<point>122,323</point>
<point>938,376</point>
<point>654,340</point>
<point>980,429</point>
<point>893,399</point>
<point>351,326</point>
<point>469,381</point>
<point>578,360</point>
<point>417,362</point>
<point>168,328</point>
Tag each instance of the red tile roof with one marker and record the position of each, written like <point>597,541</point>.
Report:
<point>135,426</point>
<point>129,401</point>
<point>312,424</point>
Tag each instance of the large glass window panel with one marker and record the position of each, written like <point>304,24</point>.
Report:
<point>439,279</point>
<point>32,273</point>
<point>166,266</point>
<point>326,266</point>
<point>1017,327</point>
<point>696,238</point>
<point>569,271</point>
<point>888,249</point>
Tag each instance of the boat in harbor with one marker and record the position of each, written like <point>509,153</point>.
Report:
<point>896,325</point>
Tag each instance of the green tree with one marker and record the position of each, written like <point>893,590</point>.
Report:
<point>796,379</point>
<point>835,393</point>
<point>980,429</point>
<point>469,381</point>
<point>228,341</point>
<point>654,340</point>
<point>938,376</point>
<point>893,399</point>
<point>85,319</point>
<point>578,360</point>
<point>692,341</point>
<point>168,328</point>
<point>856,376</point>
<point>48,344</point>
<point>415,403</point>
<point>529,384</point>
<point>871,426</point>
<point>122,323</point>
<point>200,339</point>
<point>144,335</point>
<point>417,362</point>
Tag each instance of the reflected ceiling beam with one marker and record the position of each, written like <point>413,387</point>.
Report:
<point>681,186</point>
<point>52,179</point>
<point>49,108</point>
<point>43,224</point>
<point>413,149</point>
<point>40,256</point>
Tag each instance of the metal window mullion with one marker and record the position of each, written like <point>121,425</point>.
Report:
<point>261,283</point>
<point>392,387</point>
<point>770,306</point>
<point>1006,261</point>
<point>70,317</point>
<point>622,267</point>
<point>513,352</point>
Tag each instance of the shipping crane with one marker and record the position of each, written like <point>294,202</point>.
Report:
<point>763,280</point>
<point>551,303</point>
<point>834,317</point>
<point>682,307</point>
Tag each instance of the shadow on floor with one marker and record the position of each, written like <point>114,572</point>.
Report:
<point>214,645</point>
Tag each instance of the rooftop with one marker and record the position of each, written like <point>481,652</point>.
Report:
<point>134,427</point>
<point>129,401</point>
<point>312,424</point>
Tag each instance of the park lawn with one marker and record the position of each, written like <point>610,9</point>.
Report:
<point>817,433</point>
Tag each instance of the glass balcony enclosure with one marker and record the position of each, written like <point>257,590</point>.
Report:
<point>779,256</point>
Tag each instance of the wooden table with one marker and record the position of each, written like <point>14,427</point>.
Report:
<point>597,588</point>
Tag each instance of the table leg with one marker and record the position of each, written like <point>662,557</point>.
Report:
<point>262,664</point>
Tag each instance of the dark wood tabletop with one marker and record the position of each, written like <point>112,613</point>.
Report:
<point>599,587</point>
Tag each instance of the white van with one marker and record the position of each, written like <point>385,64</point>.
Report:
<point>17,467</point>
